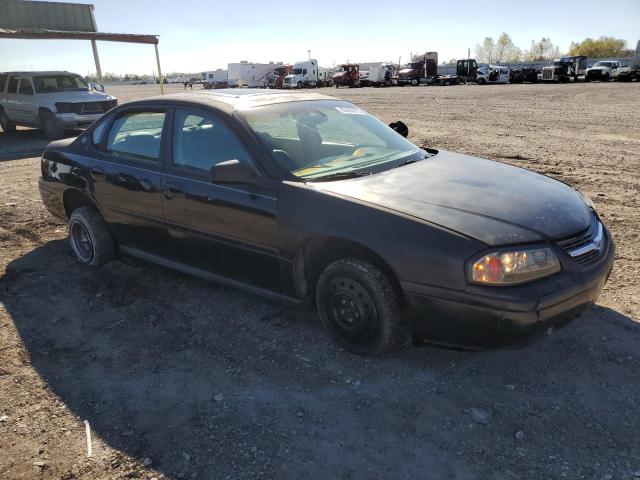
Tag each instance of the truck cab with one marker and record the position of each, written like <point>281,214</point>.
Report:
<point>348,76</point>
<point>564,69</point>
<point>303,75</point>
<point>276,78</point>
<point>419,70</point>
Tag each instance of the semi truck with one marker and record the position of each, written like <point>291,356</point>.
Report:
<point>304,74</point>
<point>421,69</point>
<point>564,69</point>
<point>347,76</point>
<point>276,78</point>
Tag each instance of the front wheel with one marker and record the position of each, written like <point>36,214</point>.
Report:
<point>90,239</point>
<point>481,81</point>
<point>52,129</point>
<point>360,309</point>
<point>415,82</point>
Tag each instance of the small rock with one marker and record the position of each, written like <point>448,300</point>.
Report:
<point>39,463</point>
<point>4,418</point>
<point>300,414</point>
<point>519,435</point>
<point>147,462</point>
<point>480,415</point>
<point>608,476</point>
<point>510,387</point>
<point>219,397</point>
<point>10,204</point>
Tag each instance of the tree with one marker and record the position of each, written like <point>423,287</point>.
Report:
<point>542,50</point>
<point>601,48</point>
<point>485,53</point>
<point>506,50</point>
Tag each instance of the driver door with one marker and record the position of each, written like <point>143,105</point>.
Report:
<point>225,228</point>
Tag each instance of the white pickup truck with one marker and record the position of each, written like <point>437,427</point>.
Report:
<point>53,101</point>
<point>604,71</point>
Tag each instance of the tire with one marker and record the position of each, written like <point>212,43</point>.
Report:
<point>481,81</point>
<point>605,78</point>
<point>5,123</point>
<point>359,308</point>
<point>50,126</point>
<point>299,85</point>
<point>90,239</point>
<point>415,82</point>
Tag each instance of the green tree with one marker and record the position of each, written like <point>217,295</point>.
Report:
<point>541,50</point>
<point>485,53</point>
<point>601,48</point>
<point>506,50</point>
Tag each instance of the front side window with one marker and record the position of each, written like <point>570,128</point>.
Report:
<point>59,83</point>
<point>313,139</point>
<point>137,135</point>
<point>201,141</point>
<point>13,85</point>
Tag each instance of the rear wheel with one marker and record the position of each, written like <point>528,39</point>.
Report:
<point>52,129</point>
<point>360,309</point>
<point>5,123</point>
<point>90,239</point>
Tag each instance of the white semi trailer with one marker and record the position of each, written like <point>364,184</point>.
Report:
<point>249,74</point>
<point>215,79</point>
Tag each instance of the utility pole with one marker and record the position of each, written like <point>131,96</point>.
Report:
<point>309,53</point>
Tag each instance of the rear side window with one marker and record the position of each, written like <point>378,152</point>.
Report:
<point>137,135</point>
<point>3,81</point>
<point>13,85</point>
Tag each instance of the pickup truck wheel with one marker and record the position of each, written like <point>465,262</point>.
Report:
<point>360,309</point>
<point>52,129</point>
<point>605,77</point>
<point>5,123</point>
<point>90,238</point>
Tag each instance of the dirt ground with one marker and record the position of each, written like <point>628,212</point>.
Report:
<point>181,378</point>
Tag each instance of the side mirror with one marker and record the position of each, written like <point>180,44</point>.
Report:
<point>400,127</point>
<point>97,87</point>
<point>232,171</point>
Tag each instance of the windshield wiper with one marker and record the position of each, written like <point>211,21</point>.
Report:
<point>339,176</point>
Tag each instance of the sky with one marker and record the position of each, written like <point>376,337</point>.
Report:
<point>201,35</point>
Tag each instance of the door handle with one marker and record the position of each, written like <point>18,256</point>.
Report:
<point>171,190</point>
<point>97,173</point>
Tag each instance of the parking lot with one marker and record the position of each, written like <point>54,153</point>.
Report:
<point>183,378</point>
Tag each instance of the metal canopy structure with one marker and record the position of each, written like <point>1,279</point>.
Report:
<point>37,20</point>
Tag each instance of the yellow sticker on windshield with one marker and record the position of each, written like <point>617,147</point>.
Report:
<point>351,110</point>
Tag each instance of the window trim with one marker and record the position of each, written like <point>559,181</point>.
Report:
<point>136,161</point>
<point>172,169</point>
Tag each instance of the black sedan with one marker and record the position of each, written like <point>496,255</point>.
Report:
<point>302,196</point>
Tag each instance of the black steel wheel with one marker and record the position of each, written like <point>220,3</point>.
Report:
<point>360,309</point>
<point>89,236</point>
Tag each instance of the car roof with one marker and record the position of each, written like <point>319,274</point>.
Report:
<point>238,98</point>
<point>48,72</point>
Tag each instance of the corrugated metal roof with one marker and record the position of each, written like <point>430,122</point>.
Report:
<point>74,17</point>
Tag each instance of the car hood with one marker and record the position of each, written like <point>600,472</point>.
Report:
<point>598,68</point>
<point>77,96</point>
<point>495,203</point>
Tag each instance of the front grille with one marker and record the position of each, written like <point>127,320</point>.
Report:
<point>586,246</point>
<point>91,108</point>
<point>547,73</point>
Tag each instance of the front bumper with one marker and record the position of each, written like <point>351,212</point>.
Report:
<point>73,120</point>
<point>487,317</point>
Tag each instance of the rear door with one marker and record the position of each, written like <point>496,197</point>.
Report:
<point>26,102</point>
<point>126,175</point>
<point>12,104</point>
<point>224,228</point>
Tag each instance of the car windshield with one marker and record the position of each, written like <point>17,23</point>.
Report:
<point>297,71</point>
<point>318,139</point>
<point>602,64</point>
<point>59,83</point>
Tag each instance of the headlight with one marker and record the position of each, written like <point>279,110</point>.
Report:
<point>510,267</point>
<point>65,107</point>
